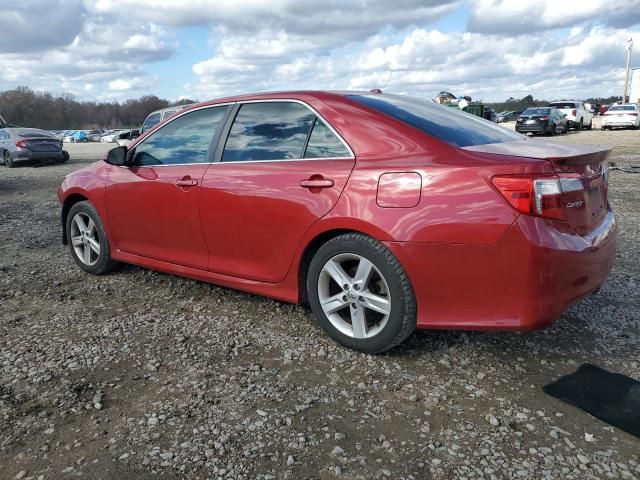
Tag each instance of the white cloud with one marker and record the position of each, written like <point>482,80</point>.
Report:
<point>547,47</point>
<point>518,17</point>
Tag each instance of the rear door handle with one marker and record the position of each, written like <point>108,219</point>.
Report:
<point>317,183</point>
<point>186,182</point>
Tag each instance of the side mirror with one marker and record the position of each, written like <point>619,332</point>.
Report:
<point>117,156</point>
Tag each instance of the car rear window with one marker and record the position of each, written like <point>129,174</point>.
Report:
<point>537,111</point>
<point>448,124</point>
<point>622,107</point>
<point>564,105</point>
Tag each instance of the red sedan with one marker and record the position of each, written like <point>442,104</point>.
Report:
<point>383,212</point>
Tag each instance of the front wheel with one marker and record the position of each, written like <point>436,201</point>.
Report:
<point>87,239</point>
<point>581,124</point>
<point>360,294</point>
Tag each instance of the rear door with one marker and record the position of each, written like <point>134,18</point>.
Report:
<point>152,206</point>
<point>279,169</point>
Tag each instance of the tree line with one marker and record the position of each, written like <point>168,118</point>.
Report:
<point>520,104</point>
<point>27,108</point>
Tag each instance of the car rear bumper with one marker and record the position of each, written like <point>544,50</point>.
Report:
<point>525,281</point>
<point>533,128</point>
<point>26,155</point>
<point>618,124</point>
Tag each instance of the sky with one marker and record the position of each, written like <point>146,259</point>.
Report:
<point>204,49</point>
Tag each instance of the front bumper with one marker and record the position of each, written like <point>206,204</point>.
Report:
<point>525,281</point>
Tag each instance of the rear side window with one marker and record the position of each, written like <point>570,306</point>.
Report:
<point>268,131</point>
<point>184,140</point>
<point>151,121</point>
<point>618,108</point>
<point>448,124</point>
<point>324,144</point>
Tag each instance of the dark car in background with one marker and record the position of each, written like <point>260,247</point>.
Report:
<point>510,116</point>
<point>29,144</point>
<point>490,114</point>
<point>545,120</point>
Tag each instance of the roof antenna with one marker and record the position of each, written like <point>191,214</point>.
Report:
<point>375,90</point>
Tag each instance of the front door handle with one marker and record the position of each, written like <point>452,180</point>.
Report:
<point>317,183</point>
<point>186,182</point>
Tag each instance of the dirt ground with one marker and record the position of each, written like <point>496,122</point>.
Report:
<point>139,374</point>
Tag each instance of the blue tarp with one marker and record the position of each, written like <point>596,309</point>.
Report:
<point>79,136</point>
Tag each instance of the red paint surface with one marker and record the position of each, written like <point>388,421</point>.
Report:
<point>473,261</point>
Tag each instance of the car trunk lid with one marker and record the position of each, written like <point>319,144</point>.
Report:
<point>41,144</point>
<point>582,175</point>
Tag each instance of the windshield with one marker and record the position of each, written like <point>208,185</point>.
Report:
<point>537,111</point>
<point>622,107</point>
<point>448,124</point>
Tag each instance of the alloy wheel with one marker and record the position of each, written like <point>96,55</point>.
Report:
<point>354,295</point>
<point>85,239</point>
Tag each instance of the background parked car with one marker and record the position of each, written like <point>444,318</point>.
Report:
<point>603,108</point>
<point>577,114</point>
<point>490,114</point>
<point>625,116</point>
<point>159,115</point>
<point>94,135</point>
<point>546,120</point>
<point>110,136</point>
<point>29,144</point>
<point>67,136</point>
<point>124,138</point>
<point>509,116</point>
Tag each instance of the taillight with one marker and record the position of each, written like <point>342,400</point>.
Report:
<point>21,144</point>
<point>539,196</point>
<point>574,112</point>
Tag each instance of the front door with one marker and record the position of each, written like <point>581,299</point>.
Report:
<point>153,205</point>
<point>281,169</point>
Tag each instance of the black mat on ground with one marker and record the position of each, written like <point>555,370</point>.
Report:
<point>611,397</point>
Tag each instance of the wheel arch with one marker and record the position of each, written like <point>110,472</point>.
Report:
<point>69,202</point>
<point>319,239</point>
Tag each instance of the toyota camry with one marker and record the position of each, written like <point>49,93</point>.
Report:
<point>383,213</point>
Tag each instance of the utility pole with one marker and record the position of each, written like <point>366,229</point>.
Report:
<point>626,75</point>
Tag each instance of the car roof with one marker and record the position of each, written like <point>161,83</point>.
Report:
<point>302,95</point>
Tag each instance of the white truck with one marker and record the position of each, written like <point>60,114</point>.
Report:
<point>577,114</point>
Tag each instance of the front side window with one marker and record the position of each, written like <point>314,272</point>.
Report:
<point>184,140</point>
<point>151,121</point>
<point>268,131</point>
<point>324,144</point>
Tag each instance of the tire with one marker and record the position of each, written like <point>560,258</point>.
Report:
<point>552,130</point>
<point>383,300</point>
<point>65,157</point>
<point>8,159</point>
<point>99,262</point>
<point>580,125</point>
<point>590,126</point>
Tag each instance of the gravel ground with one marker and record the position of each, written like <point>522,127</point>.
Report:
<point>138,374</point>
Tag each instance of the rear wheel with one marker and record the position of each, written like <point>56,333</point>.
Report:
<point>88,241</point>
<point>552,130</point>
<point>8,159</point>
<point>360,294</point>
